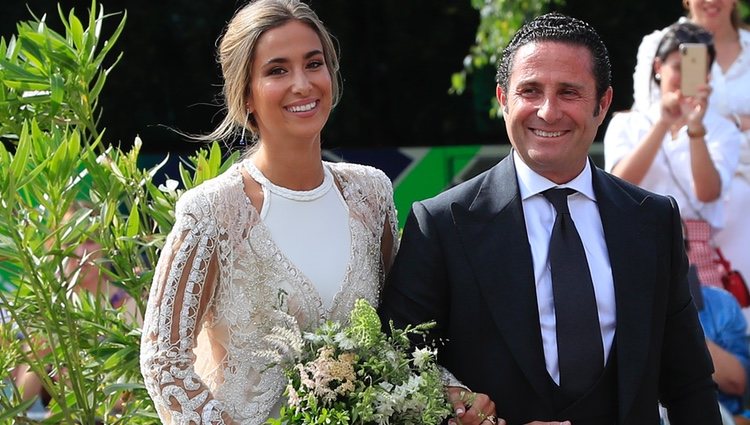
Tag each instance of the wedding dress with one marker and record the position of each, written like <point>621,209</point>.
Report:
<point>222,284</point>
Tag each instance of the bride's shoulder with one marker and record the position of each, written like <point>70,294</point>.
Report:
<point>211,197</point>
<point>364,176</point>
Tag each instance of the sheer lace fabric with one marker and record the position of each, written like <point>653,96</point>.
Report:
<point>222,284</point>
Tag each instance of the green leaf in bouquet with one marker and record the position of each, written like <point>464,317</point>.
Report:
<point>365,327</point>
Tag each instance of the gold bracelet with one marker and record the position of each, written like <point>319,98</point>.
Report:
<point>695,134</point>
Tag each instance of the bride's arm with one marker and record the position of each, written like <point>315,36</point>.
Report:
<point>182,290</point>
<point>389,240</point>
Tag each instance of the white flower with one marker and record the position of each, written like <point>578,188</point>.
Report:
<point>391,356</point>
<point>385,404</point>
<point>423,356</point>
<point>344,342</point>
<point>34,93</point>
<point>170,186</point>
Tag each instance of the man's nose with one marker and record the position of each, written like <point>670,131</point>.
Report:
<point>549,110</point>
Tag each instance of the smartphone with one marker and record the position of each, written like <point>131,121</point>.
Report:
<point>693,67</point>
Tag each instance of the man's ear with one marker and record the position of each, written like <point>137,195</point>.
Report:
<point>502,98</point>
<point>604,104</point>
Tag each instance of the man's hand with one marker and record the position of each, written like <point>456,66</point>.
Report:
<point>472,408</point>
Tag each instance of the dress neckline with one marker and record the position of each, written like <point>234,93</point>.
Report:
<point>294,195</point>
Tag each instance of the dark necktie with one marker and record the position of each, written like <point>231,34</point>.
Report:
<point>579,339</point>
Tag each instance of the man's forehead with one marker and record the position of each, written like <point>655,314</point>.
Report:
<point>543,57</point>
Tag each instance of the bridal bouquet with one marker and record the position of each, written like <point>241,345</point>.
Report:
<point>356,374</point>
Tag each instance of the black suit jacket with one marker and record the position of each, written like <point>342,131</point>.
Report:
<point>465,262</point>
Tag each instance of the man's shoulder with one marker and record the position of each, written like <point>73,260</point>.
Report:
<point>461,193</point>
<point>637,193</point>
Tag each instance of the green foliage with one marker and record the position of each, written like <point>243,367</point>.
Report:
<point>498,21</point>
<point>744,10</point>
<point>62,188</point>
<point>55,78</point>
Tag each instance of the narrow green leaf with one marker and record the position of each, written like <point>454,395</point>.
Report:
<point>14,71</point>
<point>24,86</point>
<point>101,78</point>
<point>114,360</point>
<point>133,224</point>
<point>214,159</point>
<point>32,49</point>
<point>202,171</point>
<point>57,84</point>
<point>16,411</point>
<point>31,175</point>
<point>118,388</point>
<point>18,164</point>
<point>231,160</point>
<point>76,30</point>
<point>187,181</point>
<point>111,42</point>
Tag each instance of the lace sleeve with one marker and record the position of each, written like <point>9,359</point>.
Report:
<point>181,293</point>
<point>389,241</point>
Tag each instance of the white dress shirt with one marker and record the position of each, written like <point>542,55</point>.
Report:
<point>539,215</point>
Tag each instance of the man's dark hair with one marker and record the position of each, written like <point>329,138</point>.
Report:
<point>564,29</point>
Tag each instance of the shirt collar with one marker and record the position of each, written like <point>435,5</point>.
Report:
<point>530,183</point>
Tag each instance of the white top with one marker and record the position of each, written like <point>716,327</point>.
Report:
<point>539,215</point>
<point>223,285</point>
<point>625,132</point>
<point>310,228</point>
<point>730,91</point>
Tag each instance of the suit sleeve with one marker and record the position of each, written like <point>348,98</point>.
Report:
<point>685,384</point>
<point>416,288</point>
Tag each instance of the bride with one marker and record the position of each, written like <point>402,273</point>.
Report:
<point>281,237</point>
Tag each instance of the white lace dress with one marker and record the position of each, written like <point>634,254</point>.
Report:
<point>221,284</point>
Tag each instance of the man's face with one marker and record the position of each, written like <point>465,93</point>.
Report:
<point>551,109</point>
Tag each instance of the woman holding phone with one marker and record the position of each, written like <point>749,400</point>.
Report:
<point>679,146</point>
<point>730,96</point>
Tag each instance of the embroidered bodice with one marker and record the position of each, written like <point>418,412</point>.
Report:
<point>222,284</point>
<point>311,228</point>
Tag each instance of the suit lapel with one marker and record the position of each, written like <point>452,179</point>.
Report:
<point>633,261</point>
<point>493,233</point>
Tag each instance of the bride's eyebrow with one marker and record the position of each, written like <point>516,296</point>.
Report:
<point>307,55</point>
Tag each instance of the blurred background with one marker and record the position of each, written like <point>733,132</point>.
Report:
<point>397,58</point>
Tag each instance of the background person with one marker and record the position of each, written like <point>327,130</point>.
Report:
<point>679,147</point>
<point>730,96</point>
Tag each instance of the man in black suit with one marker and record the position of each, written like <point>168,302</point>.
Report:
<point>599,342</point>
